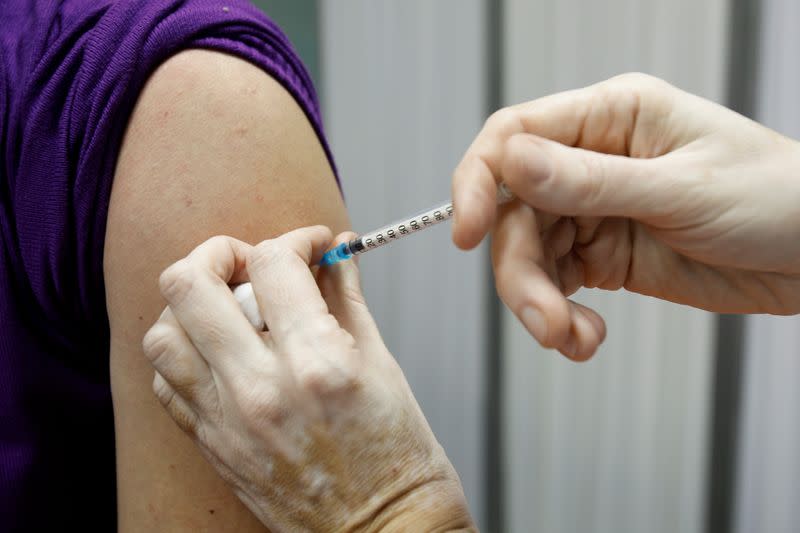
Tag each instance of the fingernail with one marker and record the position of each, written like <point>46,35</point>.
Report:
<point>535,323</point>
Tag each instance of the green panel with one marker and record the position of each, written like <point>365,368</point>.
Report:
<point>298,19</point>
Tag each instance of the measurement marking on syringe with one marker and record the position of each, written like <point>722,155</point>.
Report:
<point>399,229</point>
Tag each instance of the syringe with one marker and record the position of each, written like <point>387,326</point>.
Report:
<point>364,243</point>
<point>397,230</point>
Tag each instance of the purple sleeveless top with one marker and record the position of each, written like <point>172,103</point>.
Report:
<point>70,73</point>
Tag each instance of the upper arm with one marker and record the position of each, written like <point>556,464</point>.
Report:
<point>214,146</point>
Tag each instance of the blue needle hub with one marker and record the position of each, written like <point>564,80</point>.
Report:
<point>334,255</point>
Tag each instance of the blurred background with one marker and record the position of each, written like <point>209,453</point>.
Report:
<point>684,421</point>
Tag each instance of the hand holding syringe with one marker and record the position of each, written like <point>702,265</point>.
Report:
<point>364,243</point>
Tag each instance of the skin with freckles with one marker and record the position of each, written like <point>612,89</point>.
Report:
<point>631,183</point>
<point>311,421</point>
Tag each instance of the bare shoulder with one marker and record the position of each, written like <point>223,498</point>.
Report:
<point>214,146</point>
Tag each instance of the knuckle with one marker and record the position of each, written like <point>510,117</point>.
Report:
<point>316,336</point>
<point>170,359</point>
<point>177,281</point>
<point>327,364</point>
<point>266,254</point>
<point>313,378</point>
<point>305,334</point>
<point>163,391</point>
<point>221,246</point>
<point>634,78</point>
<point>183,419</point>
<point>262,405</point>
<point>183,377</point>
<point>325,327</point>
<point>328,378</point>
<point>218,242</point>
<point>638,84</point>
<point>504,120</point>
<point>157,344</point>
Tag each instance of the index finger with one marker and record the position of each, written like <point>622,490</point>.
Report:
<point>285,288</point>
<point>196,289</point>
<point>558,117</point>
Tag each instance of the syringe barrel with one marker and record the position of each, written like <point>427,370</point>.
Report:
<point>401,228</point>
<point>404,227</point>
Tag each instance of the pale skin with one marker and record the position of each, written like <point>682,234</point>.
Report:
<point>312,422</point>
<point>630,183</point>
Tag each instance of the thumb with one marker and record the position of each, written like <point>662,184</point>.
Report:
<point>340,285</point>
<point>576,182</point>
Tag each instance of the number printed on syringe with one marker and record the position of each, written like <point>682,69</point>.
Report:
<point>400,229</point>
<point>404,227</point>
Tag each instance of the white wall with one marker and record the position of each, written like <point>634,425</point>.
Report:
<point>769,455</point>
<point>404,95</point>
<point>617,444</point>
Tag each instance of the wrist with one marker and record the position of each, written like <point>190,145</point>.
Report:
<point>437,506</point>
